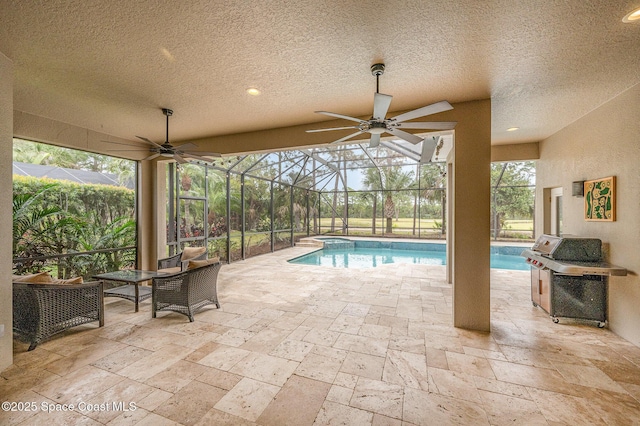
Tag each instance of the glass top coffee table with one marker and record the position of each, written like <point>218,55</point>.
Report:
<point>131,290</point>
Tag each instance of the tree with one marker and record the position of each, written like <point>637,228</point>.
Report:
<point>432,189</point>
<point>372,181</point>
<point>512,192</point>
<point>389,179</point>
<point>394,179</point>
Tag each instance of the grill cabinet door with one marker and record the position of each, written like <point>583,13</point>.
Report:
<point>545,290</point>
<point>540,288</point>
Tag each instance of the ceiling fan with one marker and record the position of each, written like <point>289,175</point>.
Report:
<point>378,124</point>
<point>180,153</point>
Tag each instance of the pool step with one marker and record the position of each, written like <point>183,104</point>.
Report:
<point>307,244</point>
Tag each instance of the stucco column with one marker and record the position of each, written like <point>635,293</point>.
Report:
<point>6,222</point>
<point>469,196</point>
<point>161,209</point>
<point>147,215</point>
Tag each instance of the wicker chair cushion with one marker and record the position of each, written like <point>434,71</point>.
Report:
<point>45,278</point>
<point>191,252</point>
<point>39,278</point>
<point>173,270</point>
<point>199,263</point>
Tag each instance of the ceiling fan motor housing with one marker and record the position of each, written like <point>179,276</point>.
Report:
<point>376,127</point>
<point>377,69</point>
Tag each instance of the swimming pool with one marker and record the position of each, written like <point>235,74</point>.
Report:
<point>369,254</point>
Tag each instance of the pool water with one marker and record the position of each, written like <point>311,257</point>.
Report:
<point>372,256</point>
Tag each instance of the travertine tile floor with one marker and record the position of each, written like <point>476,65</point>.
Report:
<point>301,345</point>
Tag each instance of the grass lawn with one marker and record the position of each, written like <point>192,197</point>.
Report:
<point>519,225</point>
<point>403,222</point>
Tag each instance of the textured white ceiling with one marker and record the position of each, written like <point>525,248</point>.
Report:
<point>110,65</point>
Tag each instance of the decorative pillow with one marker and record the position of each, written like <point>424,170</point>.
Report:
<point>75,280</point>
<point>173,270</point>
<point>191,252</point>
<point>39,278</point>
<point>199,263</point>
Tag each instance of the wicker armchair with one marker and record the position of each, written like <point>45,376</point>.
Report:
<point>186,292</point>
<point>180,261</point>
<point>43,310</point>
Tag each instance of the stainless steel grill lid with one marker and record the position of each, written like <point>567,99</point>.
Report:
<point>576,249</point>
<point>570,256</point>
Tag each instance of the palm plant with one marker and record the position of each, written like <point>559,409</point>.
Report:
<point>31,152</point>
<point>34,225</point>
<point>432,184</point>
<point>372,181</point>
<point>98,236</point>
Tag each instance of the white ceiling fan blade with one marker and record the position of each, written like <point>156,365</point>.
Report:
<point>150,142</point>
<point>179,159</point>
<point>375,140</point>
<point>348,137</point>
<point>202,155</point>
<point>332,128</point>
<point>405,135</point>
<point>381,105</point>
<point>151,157</point>
<point>433,125</point>
<point>346,117</point>
<point>425,110</point>
<point>428,148</point>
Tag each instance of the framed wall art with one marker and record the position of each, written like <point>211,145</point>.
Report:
<point>600,199</point>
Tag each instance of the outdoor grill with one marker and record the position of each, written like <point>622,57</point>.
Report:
<point>569,279</point>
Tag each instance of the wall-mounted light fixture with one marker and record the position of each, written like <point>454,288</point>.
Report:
<point>577,188</point>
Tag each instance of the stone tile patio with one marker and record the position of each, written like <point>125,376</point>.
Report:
<point>303,345</point>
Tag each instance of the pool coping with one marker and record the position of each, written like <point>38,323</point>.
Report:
<point>315,241</point>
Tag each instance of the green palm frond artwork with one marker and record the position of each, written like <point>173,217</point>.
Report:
<point>599,199</point>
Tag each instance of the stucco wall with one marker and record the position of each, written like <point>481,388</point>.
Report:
<point>603,143</point>
<point>6,144</point>
<point>515,152</point>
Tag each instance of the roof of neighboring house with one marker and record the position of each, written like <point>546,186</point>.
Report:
<point>73,175</point>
